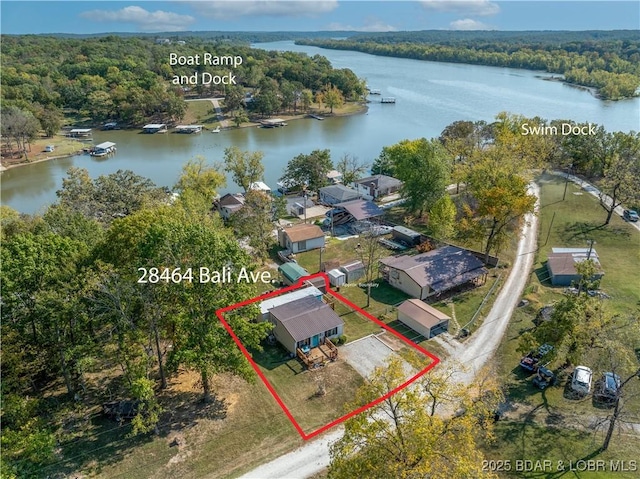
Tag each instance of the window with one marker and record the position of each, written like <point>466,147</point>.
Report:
<point>331,332</point>
<point>303,343</point>
<point>302,245</point>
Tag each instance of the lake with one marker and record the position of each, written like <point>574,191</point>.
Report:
<point>429,96</point>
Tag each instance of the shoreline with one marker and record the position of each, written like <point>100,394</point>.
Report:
<point>363,108</point>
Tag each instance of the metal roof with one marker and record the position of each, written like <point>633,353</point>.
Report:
<point>293,271</point>
<point>105,145</point>
<point>422,313</point>
<point>306,317</point>
<point>271,303</point>
<point>361,209</point>
<point>440,268</point>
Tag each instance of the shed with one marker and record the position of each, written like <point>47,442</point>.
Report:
<point>408,236</point>
<point>337,278</point>
<point>353,270</point>
<point>562,262</point>
<point>422,318</point>
<point>292,272</point>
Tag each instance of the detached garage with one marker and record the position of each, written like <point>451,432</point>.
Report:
<point>422,318</point>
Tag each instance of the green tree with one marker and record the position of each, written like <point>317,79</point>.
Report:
<point>246,167</point>
<point>404,436</point>
<point>424,167</point>
<point>442,218</point>
<point>200,341</point>
<point>108,196</point>
<point>498,198</point>
<point>621,181</point>
<point>254,221</point>
<point>308,170</point>
<point>307,99</point>
<point>332,97</point>
<point>198,184</point>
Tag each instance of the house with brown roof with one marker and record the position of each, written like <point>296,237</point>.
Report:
<point>301,238</point>
<point>428,274</point>
<point>229,204</point>
<point>424,319</point>
<point>304,323</point>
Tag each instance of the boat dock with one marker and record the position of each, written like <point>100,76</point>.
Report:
<point>375,92</point>
<point>189,129</point>
<point>316,117</point>
<point>273,123</point>
<point>154,128</point>
<point>388,99</point>
<point>103,149</point>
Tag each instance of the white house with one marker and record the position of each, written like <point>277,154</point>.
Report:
<point>376,186</point>
<point>301,238</point>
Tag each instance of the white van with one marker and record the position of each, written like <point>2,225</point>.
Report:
<point>581,380</point>
<point>49,148</point>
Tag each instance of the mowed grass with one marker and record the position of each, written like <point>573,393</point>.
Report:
<point>577,218</point>
<point>563,449</point>
<point>299,388</point>
<point>200,112</point>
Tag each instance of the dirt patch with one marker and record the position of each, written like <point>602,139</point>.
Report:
<point>391,341</point>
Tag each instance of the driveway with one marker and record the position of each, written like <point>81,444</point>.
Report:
<point>368,353</point>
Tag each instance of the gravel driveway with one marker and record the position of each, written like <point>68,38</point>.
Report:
<point>366,354</point>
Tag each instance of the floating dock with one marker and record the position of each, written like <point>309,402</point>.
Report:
<point>273,123</point>
<point>154,128</point>
<point>387,100</point>
<point>103,149</point>
<point>188,129</point>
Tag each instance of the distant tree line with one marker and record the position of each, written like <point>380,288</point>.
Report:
<point>610,63</point>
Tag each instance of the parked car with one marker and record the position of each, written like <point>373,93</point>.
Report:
<point>630,215</point>
<point>608,386</point>
<point>581,380</point>
<point>544,378</point>
<point>531,360</point>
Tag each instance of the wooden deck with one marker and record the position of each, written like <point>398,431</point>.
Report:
<point>320,355</point>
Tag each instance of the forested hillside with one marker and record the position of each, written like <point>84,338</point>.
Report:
<point>608,61</point>
<point>128,79</point>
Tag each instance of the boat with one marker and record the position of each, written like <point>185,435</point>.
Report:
<point>216,130</point>
<point>375,92</point>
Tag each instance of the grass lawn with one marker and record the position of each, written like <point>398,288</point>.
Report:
<point>527,440</point>
<point>243,428</point>
<point>200,112</point>
<point>298,387</point>
<point>577,219</point>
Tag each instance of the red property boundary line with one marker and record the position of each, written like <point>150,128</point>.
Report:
<point>299,284</point>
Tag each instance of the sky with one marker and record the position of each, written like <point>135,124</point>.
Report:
<point>21,17</point>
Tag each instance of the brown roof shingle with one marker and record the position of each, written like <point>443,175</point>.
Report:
<point>303,232</point>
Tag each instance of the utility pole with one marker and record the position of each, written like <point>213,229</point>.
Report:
<point>566,181</point>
